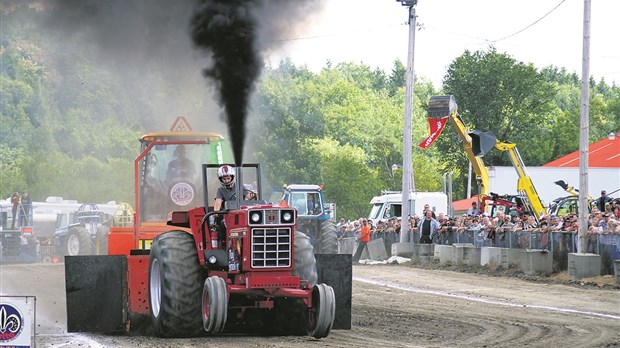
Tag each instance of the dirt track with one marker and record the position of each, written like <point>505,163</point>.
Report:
<point>393,306</point>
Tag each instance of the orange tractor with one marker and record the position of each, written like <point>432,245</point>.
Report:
<point>190,274</point>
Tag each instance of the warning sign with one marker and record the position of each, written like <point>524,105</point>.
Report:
<point>180,125</point>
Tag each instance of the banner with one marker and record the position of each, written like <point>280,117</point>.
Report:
<point>17,324</point>
<point>436,127</point>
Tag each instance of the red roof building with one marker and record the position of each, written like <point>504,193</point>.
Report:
<point>602,154</point>
<point>464,204</point>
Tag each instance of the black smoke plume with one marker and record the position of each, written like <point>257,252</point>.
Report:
<point>228,30</point>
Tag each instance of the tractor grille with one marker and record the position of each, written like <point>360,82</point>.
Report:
<point>271,247</point>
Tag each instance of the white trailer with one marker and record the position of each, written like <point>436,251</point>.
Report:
<point>389,204</point>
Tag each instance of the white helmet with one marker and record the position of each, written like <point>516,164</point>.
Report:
<point>224,171</point>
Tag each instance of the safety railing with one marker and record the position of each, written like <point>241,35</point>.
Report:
<point>560,243</point>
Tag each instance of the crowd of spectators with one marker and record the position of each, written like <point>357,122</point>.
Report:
<point>599,222</point>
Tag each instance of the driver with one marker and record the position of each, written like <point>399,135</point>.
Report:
<point>226,175</point>
<point>181,166</point>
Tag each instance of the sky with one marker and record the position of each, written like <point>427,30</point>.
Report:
<point>541,32</point>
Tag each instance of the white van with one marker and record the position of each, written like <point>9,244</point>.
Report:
<point>390,204</point>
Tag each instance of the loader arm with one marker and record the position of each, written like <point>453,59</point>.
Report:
<point>525,186</point>
<point>445,105</point>
<point>481,171</point>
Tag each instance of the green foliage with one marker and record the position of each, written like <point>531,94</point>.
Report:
<point>348,179</point>
<point>11,170</point>
<point>69,125</point>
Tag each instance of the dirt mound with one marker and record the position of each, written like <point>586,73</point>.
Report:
<point>514,271</point>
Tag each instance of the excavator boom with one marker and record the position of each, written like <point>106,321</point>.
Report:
<point>483,142</point>
<point>441,106</point>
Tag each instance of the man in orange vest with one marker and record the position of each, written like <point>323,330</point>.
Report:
<point>362,238</point>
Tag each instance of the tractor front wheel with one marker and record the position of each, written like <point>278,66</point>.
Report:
<point>214,305</point>
<point>175,285</point>
<point>321,315</point>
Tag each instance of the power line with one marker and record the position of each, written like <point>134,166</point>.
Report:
<point>343,33</point>
<point>531,25</point>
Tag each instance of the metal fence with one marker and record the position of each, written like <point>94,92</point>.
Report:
<point>607,245</point>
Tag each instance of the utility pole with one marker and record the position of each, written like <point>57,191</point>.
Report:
<point>408,182</point>
<point>584,130</point>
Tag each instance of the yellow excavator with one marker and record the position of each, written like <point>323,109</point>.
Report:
<point>477,144</point>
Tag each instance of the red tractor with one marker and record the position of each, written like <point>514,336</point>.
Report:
<point>251,268</point>
<point>251,271</point>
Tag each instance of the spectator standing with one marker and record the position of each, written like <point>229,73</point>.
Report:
<point>428,208</point>
<point>570,223</point>
<point>530,223</point>
<point>362,239</point>
<point>613,224</point>
<point>602,200</point>
<point>427,227</point>
<point>26,204</point>
<point>474,210</point>
<point>556,224</point>
<point>603,223</point>
<point>15,199</point>
<point>342,232</point>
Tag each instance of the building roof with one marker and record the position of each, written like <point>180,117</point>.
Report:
<point>602,154</point>
<point>463,204</point>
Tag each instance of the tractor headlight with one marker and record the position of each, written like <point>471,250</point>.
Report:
<point>212,259</point>
<point>287,217</point>
<point>256,217</point>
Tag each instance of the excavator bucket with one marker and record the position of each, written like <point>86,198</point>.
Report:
<point>441,106</point>
<point>482,142</point>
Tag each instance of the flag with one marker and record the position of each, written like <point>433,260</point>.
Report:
<point>436,127</point>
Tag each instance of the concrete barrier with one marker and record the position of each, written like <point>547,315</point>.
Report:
<point>403,249</point>
<point>466,254</point>
<point>582,265</point>
<point>376,250</point>
<point>445,253</point>
<point>617,272</point>
<point>424,252</point>
<point>536,261</point>
<point>346,246</point>
<point>499,256</point>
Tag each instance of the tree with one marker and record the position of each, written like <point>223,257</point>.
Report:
<point>397,78</point>
<point>347,179</point>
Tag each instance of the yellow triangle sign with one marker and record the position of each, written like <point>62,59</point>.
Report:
<point>180,125</point>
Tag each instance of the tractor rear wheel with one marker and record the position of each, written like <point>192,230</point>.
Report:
<point>175,285</point>
<point>329,238</point>
<point>321,315</point>
<point>214,305</point>
<point>78,242</point>
<point>305,263</point>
